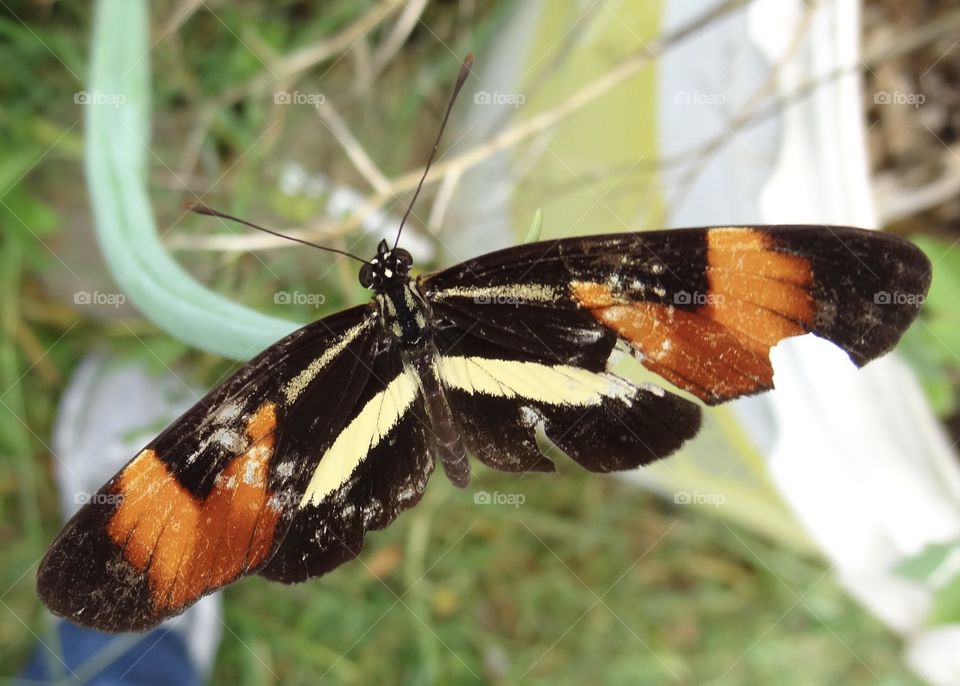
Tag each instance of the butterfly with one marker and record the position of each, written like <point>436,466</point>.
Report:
<point>335,430</point>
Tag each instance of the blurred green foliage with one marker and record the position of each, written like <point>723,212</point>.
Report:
<point>933,566</point>
<point>933,344</point>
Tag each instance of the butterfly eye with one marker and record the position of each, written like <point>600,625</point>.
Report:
<point>366,275</point>
<point>402,257</point>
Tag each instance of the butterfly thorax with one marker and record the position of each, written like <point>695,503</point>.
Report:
<point>403,312</point>
<point>406,316</point>
<point>402,309</point>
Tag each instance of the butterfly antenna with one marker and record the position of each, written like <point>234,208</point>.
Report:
<point>461,79</point>
<point>200,208</point>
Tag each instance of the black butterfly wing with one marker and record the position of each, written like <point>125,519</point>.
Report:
<point>214,497</point>
<point>376,460</point>
<point>700,307</point>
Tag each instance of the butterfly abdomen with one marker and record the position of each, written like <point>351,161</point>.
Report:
<point>406,316</point>
<point>443,433</point>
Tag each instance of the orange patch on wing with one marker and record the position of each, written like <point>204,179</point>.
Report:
<point>690,351</point>
<point>189,546</point>
<point>594,296</point>
<point>263,422</point>
<point>720,350</point>
<point>760,294</point>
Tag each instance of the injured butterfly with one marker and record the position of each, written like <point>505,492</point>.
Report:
<point>335,430</point>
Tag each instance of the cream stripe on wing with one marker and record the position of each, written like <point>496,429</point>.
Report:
<point>299,383</point>
<point>552,384</point>
<point>513,294</point>
<point>381,414</point>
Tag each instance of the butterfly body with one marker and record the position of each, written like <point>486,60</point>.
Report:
<point>333,431</point>
<point>405,314</point>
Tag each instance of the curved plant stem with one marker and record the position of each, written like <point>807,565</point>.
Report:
<point>117,153</point>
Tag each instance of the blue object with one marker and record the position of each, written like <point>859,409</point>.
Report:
<point>157,658</point>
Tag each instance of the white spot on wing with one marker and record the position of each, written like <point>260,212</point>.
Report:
<point>529,416</point>
<point>230,441</point>
<point>226,413</point>
<point>372,510</point>
<point>586,336</point>
<point>407,493</point>
<point>654,390</point>
<point>250,472</point>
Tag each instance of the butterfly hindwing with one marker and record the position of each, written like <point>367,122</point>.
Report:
<point>603,422</point>
<point>700,307</point>
<point>516,353</point>
<point>375,462</point>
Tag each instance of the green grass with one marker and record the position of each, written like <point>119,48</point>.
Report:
<point>589,580</point>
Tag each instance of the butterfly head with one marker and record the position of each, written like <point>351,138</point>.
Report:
<point>390,265</point>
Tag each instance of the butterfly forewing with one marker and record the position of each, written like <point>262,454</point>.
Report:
<point>700,307</point>
<point>212,497</point>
